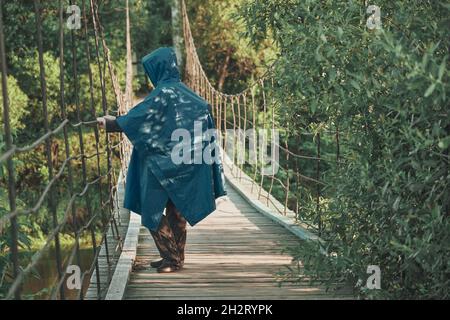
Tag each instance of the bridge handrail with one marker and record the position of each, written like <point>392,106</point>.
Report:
<point>105,214</point>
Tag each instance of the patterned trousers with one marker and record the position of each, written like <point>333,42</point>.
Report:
<point>170,239</point>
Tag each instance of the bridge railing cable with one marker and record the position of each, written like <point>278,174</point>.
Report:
<point>255,109</point>
<point>99,217</point>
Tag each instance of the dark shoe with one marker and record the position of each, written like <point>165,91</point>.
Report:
<point>168,267</point>
<point>157,263</point>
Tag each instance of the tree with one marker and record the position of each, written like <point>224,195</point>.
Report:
<point>386,91</point>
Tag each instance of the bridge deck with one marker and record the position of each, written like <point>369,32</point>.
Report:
<point>235,253</point>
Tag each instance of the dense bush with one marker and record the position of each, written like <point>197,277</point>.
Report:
<point>387,92</point>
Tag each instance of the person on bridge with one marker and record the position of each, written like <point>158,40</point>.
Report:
<point>167,192</point>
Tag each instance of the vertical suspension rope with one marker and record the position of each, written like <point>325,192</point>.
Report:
<point>244,97</point>
<point>286,200</point>
<point>127,147</point>
<point>65,131</point>
<point>48,141</point>
<point>297,182</point>
<point>80,136</point>
<point>255,134</point>
<point>120,103</point>
<point>220,114</point>
<point>272,120</point>
<point>14,228</point>
<point>234,144</point>
<point>105,111</point>
<point>97,141</point>
<point>237,134</point>
<point>225,123</point>
<point>262,152</point>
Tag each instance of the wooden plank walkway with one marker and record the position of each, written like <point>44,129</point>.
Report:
<point>235,253</point>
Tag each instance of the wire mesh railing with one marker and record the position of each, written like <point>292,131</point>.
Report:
<point>89,178</point>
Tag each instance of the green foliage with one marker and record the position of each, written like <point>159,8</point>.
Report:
<point>85,99</point>
<point>24,242</point>
<point>388,201</point>
<point>151,29</point>
<point>26,71</point>
<point>224,51</point>
<point>18,101</point>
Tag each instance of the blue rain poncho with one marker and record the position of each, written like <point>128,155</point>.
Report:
<point>153,176</point>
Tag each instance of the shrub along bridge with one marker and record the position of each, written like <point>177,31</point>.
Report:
<point>237,252</point>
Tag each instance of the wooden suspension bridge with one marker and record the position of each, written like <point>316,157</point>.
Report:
<point>239,252</point>
<point>236,253</point>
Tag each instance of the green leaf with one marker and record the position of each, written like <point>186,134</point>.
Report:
<point>340,32</point>
<point>444,143</point>
<point>442,69</point>
<point>355,84</point>
<point>430,90</point>
<point>313,106</point>
<point>396,204</point>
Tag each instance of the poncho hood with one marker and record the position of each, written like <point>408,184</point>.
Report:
<point>153,175</point>
<point>161,66</point>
